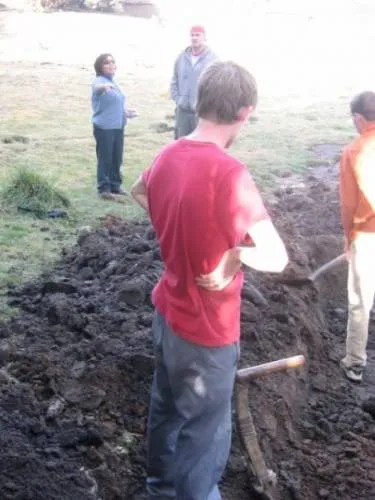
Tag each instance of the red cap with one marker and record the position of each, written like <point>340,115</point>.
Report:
<point>197,28</point>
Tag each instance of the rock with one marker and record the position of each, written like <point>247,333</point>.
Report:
<point>83,234</point>
<point>78,369</point>
<point>89,436</point>
<point>250,292</point>
<point>87,274</point>
<point>339,312</point>
<point>55,408</point>
<point>112,346</point>
<point>132,293</point>
<point>6,349</point>
<point>108,429</point>
<point>87,398</point>
<point>59,286</point>
<point>369,406</point>
<point>323,493</point>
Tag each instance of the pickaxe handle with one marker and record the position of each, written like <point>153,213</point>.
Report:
<point>246,374</point>
<point>263,479</point>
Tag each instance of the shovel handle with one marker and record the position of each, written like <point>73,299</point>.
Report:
<point>327,266</point>
<point>252,372</point>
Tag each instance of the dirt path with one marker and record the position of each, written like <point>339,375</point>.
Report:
<point>76,367</point>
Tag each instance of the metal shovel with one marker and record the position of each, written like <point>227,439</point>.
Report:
<point>306,280</point>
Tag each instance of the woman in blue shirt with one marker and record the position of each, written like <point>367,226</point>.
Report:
<point>109,120</point>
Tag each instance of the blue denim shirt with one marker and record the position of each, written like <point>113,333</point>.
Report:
<point>108,107</point>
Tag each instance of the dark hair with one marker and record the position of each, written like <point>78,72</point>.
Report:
<point>99,61</point>
<point>223,89</point>
<point>364,104</point>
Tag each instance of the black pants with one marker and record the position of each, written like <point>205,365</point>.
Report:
<point>109,152</point>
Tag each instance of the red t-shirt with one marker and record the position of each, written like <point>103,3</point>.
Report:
<point>202,202</point>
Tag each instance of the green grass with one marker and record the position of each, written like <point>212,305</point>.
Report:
<point>28,191</point>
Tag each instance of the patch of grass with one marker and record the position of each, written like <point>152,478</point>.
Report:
<point>29,191</point>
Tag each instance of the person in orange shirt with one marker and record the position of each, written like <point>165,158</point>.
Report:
<point>357,200</point>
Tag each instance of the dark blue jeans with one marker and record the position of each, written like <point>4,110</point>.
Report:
<point>109,151</point>
<point>189,427</point>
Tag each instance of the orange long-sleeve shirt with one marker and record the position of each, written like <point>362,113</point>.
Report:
<point>357,185</point>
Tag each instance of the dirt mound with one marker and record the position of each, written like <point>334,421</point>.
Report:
<point>76,367</point>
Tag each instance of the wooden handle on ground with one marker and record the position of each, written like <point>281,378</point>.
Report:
<point>252,372</point>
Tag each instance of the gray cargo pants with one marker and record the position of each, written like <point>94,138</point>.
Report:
<point>189,427</point>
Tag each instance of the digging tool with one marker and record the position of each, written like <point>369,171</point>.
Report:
<point>310,279</point>
<point>263,480</point>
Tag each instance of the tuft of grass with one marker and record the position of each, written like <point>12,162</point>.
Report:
<point>28,191</point>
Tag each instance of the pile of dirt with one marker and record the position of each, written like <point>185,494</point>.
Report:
<point>76,368</point>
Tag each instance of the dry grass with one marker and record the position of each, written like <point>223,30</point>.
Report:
<point>45,76</point>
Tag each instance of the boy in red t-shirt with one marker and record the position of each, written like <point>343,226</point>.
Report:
<point>203,204</point>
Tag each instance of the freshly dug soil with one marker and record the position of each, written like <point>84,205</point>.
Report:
<point>76,367</point>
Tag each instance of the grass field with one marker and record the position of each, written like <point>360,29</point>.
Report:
<point>45,76</point>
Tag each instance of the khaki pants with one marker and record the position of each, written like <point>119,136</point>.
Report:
<point>361,292</point>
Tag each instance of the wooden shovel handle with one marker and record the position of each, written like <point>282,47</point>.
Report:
<point>327,266</point>
<point>252,372</point>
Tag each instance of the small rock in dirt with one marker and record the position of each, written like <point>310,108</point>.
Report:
<point>59,286</point>
<point>323,493</point>
<point>59,309</point>
<point>54,452</point>
<point>132,293</point>
<point>83,233</point>
<point>50,465</point>
<point>109,269</point>
<point>350,452</point>
<point>280,317</point>
<point>94,456</point>
<point>6,349</point>
<point>78,369</point>
<point>150,233</point>
<point>250,292</point>
<point>9,485</point>
<point>369,406</point>
<point>55,408</point>
<point>108,429</point>
<point>111,346</point>
<point>87,398</point>
<point>87,273</point>
<point>339,312</point>
<point>72,438</point>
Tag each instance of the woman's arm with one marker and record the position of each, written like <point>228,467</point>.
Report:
<point>101,88</point>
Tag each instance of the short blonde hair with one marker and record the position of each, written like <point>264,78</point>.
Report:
<point>223,89</point>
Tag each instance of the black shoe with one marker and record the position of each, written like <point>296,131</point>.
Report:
<point>120,192</point>
<point>106,195</point>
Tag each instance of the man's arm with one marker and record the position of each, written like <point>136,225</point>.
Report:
<point>268,253</point>
<point>364,172</point>
<point>348,195</point>
<point>174,82</point>
<point>138,192</point>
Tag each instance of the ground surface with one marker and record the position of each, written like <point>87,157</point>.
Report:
<point>76,366</point>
